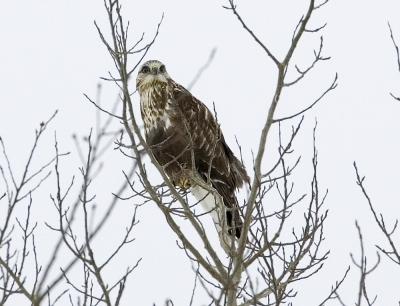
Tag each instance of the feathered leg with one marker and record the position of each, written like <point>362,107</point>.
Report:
<point>222,216</point>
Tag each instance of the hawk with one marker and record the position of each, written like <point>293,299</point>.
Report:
<point>183,136</point>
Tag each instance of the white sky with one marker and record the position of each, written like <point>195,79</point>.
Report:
<point>51,54</point>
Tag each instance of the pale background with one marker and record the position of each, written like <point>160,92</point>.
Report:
<point>50,54</point>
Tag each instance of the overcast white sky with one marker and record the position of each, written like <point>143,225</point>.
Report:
<point>50,54</point>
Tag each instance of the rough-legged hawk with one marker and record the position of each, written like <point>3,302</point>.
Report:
<point>180,130</point>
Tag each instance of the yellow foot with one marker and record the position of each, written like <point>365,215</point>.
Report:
<point>184,182</point>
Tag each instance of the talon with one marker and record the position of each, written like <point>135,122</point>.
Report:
<point>184,183</point>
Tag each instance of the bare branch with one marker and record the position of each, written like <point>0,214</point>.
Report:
<point>395,47</point>
<point>393,254</point>
<point>232,7</point>
<point>202,69</point>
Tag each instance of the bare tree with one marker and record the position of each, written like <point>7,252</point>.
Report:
<point>391,251</point>
<point>49,282</point>
<point>268,252</point>
<point>264,267</point>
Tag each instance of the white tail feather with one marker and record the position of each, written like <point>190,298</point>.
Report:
<point>213,204</point>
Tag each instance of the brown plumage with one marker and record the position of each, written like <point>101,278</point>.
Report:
<point>178,129</point>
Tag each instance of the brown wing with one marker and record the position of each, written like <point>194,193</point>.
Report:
<point>213,158</point>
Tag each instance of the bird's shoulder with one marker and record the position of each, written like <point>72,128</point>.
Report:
<point>190,107</point>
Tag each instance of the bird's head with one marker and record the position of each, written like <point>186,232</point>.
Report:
<point>151,73</point>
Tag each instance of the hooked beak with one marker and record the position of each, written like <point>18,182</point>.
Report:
<point>154,70</point>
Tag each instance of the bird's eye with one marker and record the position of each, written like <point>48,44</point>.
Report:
<point>162,69</point>
<point>145,69</point>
